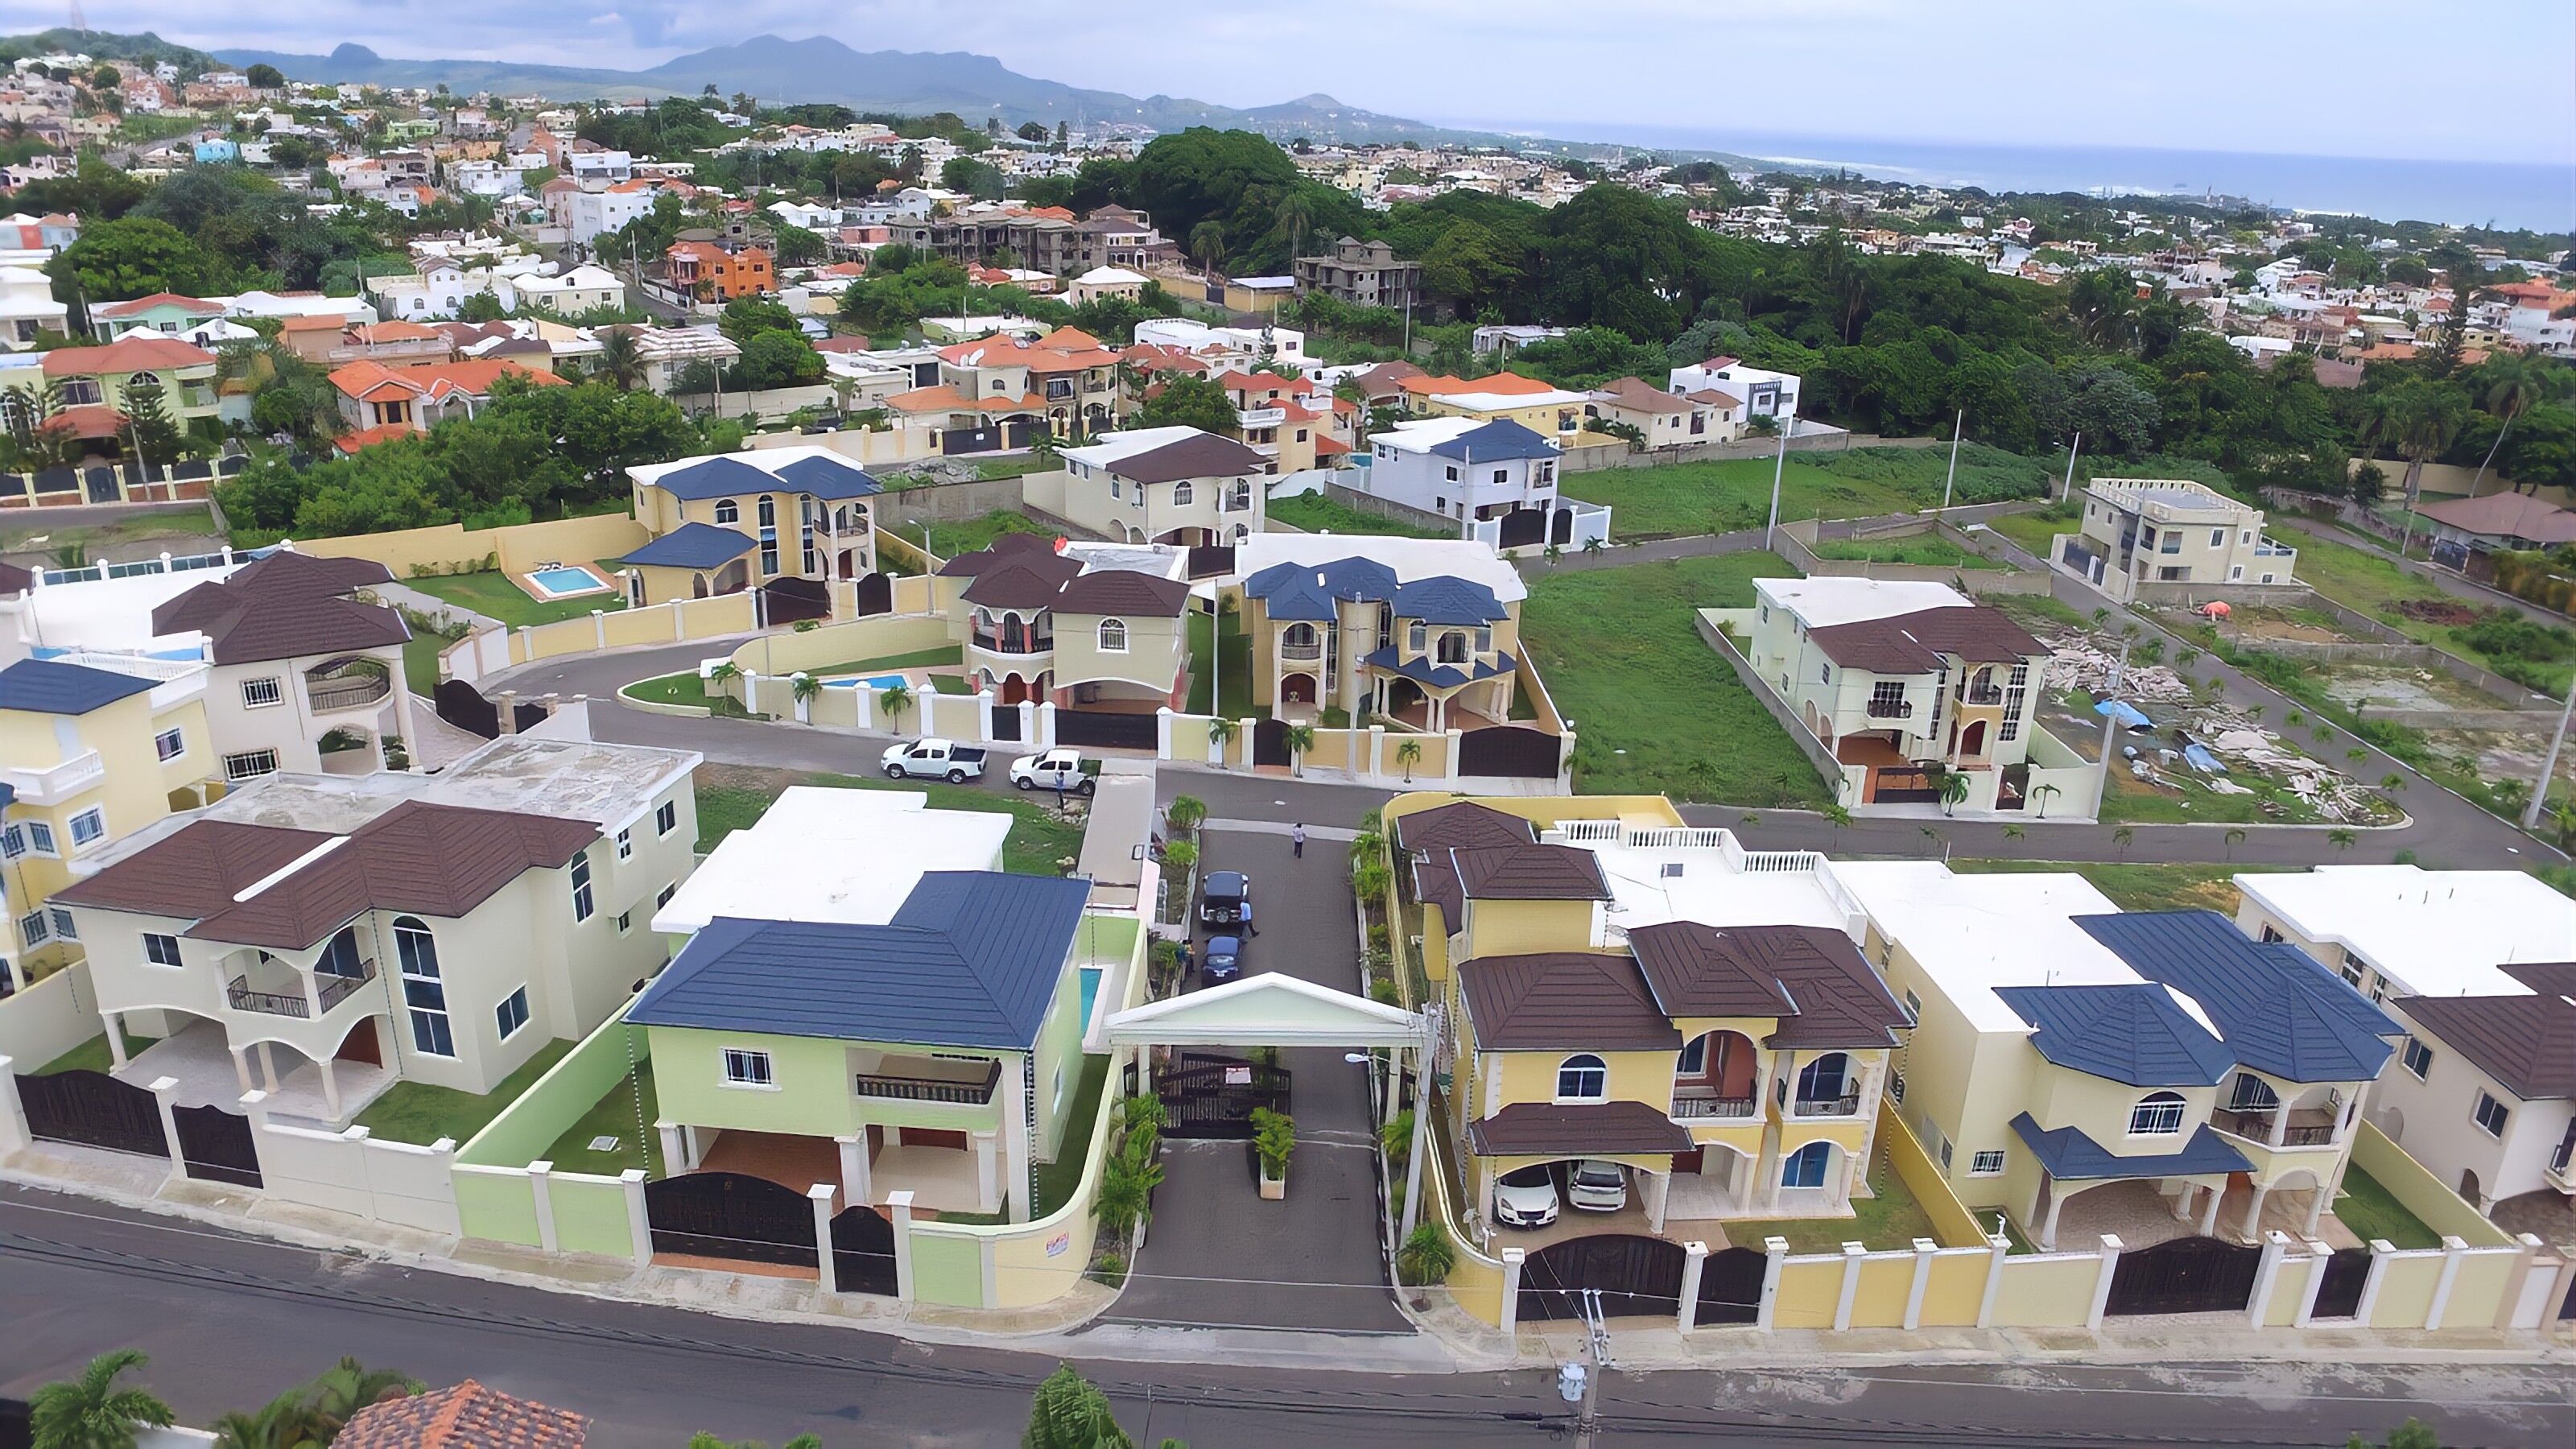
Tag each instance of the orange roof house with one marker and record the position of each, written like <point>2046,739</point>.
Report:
<point>468,1416</point>
<point>374,396</point>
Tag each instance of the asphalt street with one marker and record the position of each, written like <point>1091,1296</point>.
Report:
<point>228,1322</point>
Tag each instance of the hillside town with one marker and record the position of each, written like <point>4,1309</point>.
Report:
<point>678,712</point>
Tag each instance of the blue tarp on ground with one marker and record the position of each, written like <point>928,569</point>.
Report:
<point>2199,758</point>
<point>2127,715</point>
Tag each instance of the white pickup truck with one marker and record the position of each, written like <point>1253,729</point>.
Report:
<point>1064,770</point>
<point>938,759</point>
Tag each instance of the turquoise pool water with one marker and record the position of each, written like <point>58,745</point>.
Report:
<point>873,681</point>
<point>1090,992</point>
<point>565,582</point>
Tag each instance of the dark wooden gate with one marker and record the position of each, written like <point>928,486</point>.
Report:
<point>1270,742</point>
<point>1205,1095</point>
<point>1637,1277</point>
<point>793,601</point>
<point>1560,528</point>
<point>1730,1286</point>
<point>2184,1275</point>
<point>731,1215</point>
<point>2347,1273</point>
<point>874,595</point>
<point>1106,730</point>
<point>464,706</point>
<point>1908,785</point>
<point>1006,723</point>
<point>1523,527</point>
<point>863,1252</point>
<point>94,1109</point>
<point>1211,560</point>
<point>1514,750</point>
<point>216,1145</point>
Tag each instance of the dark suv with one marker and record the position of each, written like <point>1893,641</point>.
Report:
<point>1225,898</point>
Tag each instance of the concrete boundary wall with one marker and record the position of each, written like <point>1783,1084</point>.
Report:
<point>50,1018</point>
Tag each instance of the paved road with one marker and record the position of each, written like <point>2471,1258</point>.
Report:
<point>1317,1265</point>
<point>229,1321</point>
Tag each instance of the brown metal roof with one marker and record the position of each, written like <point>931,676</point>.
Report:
<point>1461,824</point>
<point>1571,999</point>
<point>1544,1129</point>
<point>1204,456</point>
<point>1697,970</point>
<point>1003,548</point>
<point>286,606</point>
<point>195,871</point>
<point>1123,591</point>
<point>1028,582</point>
<point>1915,643</point>
<point>1530,873</point>
<point>2527,1043</point>
<point>1841,1002</point>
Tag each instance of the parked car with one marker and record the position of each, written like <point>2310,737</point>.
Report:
<point>1064,770</point>
<point>1597,1186</point>
<point>937,759</point>
<point>1225,898</point>
<point>1224,957</point>
<point>1525,1197</point>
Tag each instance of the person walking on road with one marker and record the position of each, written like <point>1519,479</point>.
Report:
<point>1297,840</point>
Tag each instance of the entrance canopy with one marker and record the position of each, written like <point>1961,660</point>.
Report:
<point>1268,1010</point>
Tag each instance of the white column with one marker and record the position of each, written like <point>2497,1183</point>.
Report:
<point>2254,1213</point>
<point>241,1065</point>
<point>330,1086</point>
<point>899,1212</point>
<point>1377,750</point>
<point>1015,1139</point>
<point>639,1222</point>
<point>1162,731</point>
<point>854,1168</point>
<point>1513,1258</point>
<point>821,1195</point>
<point>2452,1248</point>
<point>2381,1250</point>
<point>1997,1247</point>
<point>1774,1252</point>
<point>2267,1275</point>
<point>2209,1210</point>
<point>164,1092</point>
<point>1694,1263</point>
<point>2319,1255</point>
<point>983,715</point>
<point>403,719</point>
<point>115,1038</point>
<point>1923,1250</point>
<point>2111,1250</point>
<point>1045,732</point>
<point>599,628</point>
<point>2325,1193</point>
<point>1243,734</point>
<point>267,1069</point>
<point>1852,1254</point>
<point>1658,1187</point>
<point>1453,755</point>
<point>542,1188</point>
<point>2280,1120</point>
<point>675,1148</point>
<point>988,1185</point>
<point>2056,1204</point>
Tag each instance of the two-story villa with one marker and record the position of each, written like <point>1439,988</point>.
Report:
<point>1418,634</point>
<point>733,521</point>
<point>1496,478</point>
<point>1167,485</point>
<point>2143,531</point>
<point>1092,628</point>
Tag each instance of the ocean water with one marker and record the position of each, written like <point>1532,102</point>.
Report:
<point>2537,195</point>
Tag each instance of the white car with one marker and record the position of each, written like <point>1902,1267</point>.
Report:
<point>934,759</point>
<point>1597,1186</point>
<point>1063,770</point>
<point>1526,1197</point>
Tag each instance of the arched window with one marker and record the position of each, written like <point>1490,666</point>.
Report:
<point>1300,636</point>
<point>768,511</point>
<point>1182,493</point>
<point>424,990</point>
<point>340,958</point>
<point>1582,1077</point>
<point>2252,1094</point>
<point>2158,1114</point>
<point>1113,636</point>
<point>728,511</point>
<point>1825,1080</point>
<point>1453,647</point>
<point>1242,495</point>
<point>1806,1166</point>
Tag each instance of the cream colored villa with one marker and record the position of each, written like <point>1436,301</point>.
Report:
<point>1091,628</point>
<point>1417,634</point>
<point>733,521</point>
<point>1174,485</point>
<point>2142,531</point>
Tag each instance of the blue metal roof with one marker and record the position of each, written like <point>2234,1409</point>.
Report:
<point>2279,1011</point>
<point>1500,441</point>
<point>830,478</point>
<point>1343,578</point>
<point>971,959</point>
<point>692,546</point>
<point>2070,1156</point>
<point>2134,1033</point>
<point>1438,676</point>
<point>46,686</point>
<point>718,477</point>
<point>1444,599</point>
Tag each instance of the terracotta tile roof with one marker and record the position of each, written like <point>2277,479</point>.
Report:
<point>1570,999</point>
<point>468,1416</point>
<point>368,437</point>
<point>1542,1129</point>
<point>140,305</point>
<point>313,322</point>
<point>1640,396</point>
<point>1505,383</point>
<point>474,376</point>
<point>135,352</point>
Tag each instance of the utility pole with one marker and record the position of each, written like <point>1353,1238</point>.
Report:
<point>2069,490</point>
<point>2111,722</point>
<point>1779,467</point>
<point>1596,1340</point>
<point>2548,765</point>
<point>1952,481</point>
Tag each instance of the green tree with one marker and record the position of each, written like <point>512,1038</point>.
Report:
<point>1207,244</point>
<point>348,1386</point>
<point>115,261</point>
<point>747,317</point>
<point>2509,385</point>
<point>480,307</point>
<point>778,359</point>
<point>1070,1413</point>
<point>620,364</point>
<point>2418,418</point>
<point>92,1412</point>
<point>149,426</point>
<point>1196,402</point>
<point>284,1422</point>
<point>265,77</point>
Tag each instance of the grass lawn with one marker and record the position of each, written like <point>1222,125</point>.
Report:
<point>2177,887</point>
<point>1316,513</point>
<point>1233,668</point>
<point>684,687</point>
<point>1927,550</point>
<point>2371,1211</point>
<point>917,659</point>
<point>2033,530</point>
<point>492,594</point>
<point>733,796</point>
<point>92,1055</point>
<point>2375,585</point>
<point>419,1113</point>
<point>1058,1179</point>
<point>614,1115</point>
<point>948,540</point>
<point>1890,1220</point>
<point>420,663</point>
<point>1653,708</point>
<point>1692,498</point>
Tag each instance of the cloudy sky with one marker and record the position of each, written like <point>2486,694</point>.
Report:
<point>2387,78</point>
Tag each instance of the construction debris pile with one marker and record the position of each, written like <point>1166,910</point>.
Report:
<point>2082,663</point>
<point>2234,736</point>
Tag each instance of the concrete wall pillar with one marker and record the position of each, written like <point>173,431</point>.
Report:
<point>1044,733</point>
<point>1923,1250</point>
<point>821,1195</point>
<point>2381,1250</point>
<point>2452,1248</point>
<point>2111,1250</point>
<point>599,628</point>
<point>1998,1247</point>
<point>675,1148</point>
<point>165,1092</point>
<point>2267,1275</point>
<point>854,1168</point>
<point>1453,756</point>
<point>899,1212</point>
<point>983,715</point>
<point>1162,730</point>
<point>1852,1254</point>
<point>1513,1258</point>
<point>988,1182</point>
<point>541,1187</point>
<point>639,1221</point>
<point>1694,1263</point>
<point>1775,1251</point>
<point>2319,1255</point>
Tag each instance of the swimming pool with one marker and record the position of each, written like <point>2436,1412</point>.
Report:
<point>1090,992</point>
<point>873,681</point>
<point>563,582</point>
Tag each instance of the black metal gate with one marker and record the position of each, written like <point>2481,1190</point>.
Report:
<point>793,601</point>
<point>1560,527</point>
<point>1205,1095</point>
<point>863,1252</point>
<point>2347,1273</point>
<point>1730,1286</point>
<point>216,1145</point>
<point>1523,527</point>
<point>731,1215</point>
<point>1270,742</point>
<point>1637,1277</point>
<point>874,595</point>
<point>94,1109</point>
<point>1514,750</point>
<point>1106,730</point>
<point>1908,785</point>
<point>464,706</point>
<point>2184,1275</point>
<point>1006,723</point>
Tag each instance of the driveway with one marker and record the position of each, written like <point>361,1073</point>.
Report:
<point>1218,1256</point>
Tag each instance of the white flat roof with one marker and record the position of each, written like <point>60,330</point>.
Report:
<point>1824,601</point>
<point>1707,891</point>
<point>1973,933</point>
<point>110,613</point>
<point>2433,932</point>
<point>1423,434</point>
<point>1410,558</point>
<point>1492,402</point>
<point>1127,443</point>
<point>820,854</point>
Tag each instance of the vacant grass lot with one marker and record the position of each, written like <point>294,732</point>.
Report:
<point>731,797</point>
<point>1655,710</point>
<point>2033,530</point>
<point>419,1113</point>
<point>492,594</point>
<point>1721,497</point>
<point>1316,513</point>
<point>1926,550</point>
<point>2360,579</point>
<point>948,540</point>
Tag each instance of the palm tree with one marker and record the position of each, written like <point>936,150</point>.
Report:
<point>1837,815</point>
<point>1406,754</point>
<point>1954,788</point>
<point>2014,832</point>
<point>1553,552</point>
<point>1221,735</point>
<point>2513,387</point>
<point>348,1386</point>
<point>803,691</point>
<point>2418,418</point>
<point>1207,244</point>
<point>1185,812</point>
<point>1295,215</point>
<point>2124,837</point>
<point>620,364</point>
<point>1592,546</point>
<point>91,1412</point>
<point>1299,738</point>
<point>2341,838</point>
<point>2041,793</point>
<point>894,699</point>
<point>723,676</point>
<point>2235,837</point>
<point>285,1422</point>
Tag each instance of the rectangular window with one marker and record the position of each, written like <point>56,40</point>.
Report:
<point>89,827</point>
<point>1896,1087</point>
<point>1913,1006</point>
<point>64,925</point>
<point>2419,1058</point>
<point>160,949</point>
<point>1450,473</point>
<point>250,764</point>
<point>744,1068</point>
<point>2170,543</point>
<point>1945,1152</point>
<point>258,693</point>
<point>663,897</point>
<point>2157,1116</point>
<point>1989,1163</point>
<point>2492,1115</point>
<point>581,903</point>
<point>170,744</point>
<point>625,844</point>
<point>512,1013</point>
<point>13,842</point>
<point>34,929</point>
<point>2016,690</point>
<point>625,922</point>
<point>2218,538</point>
<point>666,818</point>
<point>424,992</point>
<point>40,837</point>
<point>1887,697</point>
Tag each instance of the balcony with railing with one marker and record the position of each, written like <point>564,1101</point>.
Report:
<point>1305,652</point>
<point>2307,1126</point>
<point>968,1084</point>
<point>1846,1105</point>
<point>336,987</point>
<point>1880,708</point>
<point>1698,1106</point>
<point>1261,417</point>
<point>342,687</point>
<point>1014,641</point>
<point>55,783</point>
<point>2561,1170</point>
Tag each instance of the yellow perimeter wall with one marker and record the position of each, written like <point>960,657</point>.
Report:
<point>2421,1192</point>
<point>451,548</point>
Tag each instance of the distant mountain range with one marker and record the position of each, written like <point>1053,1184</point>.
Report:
<point>822,69</point>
